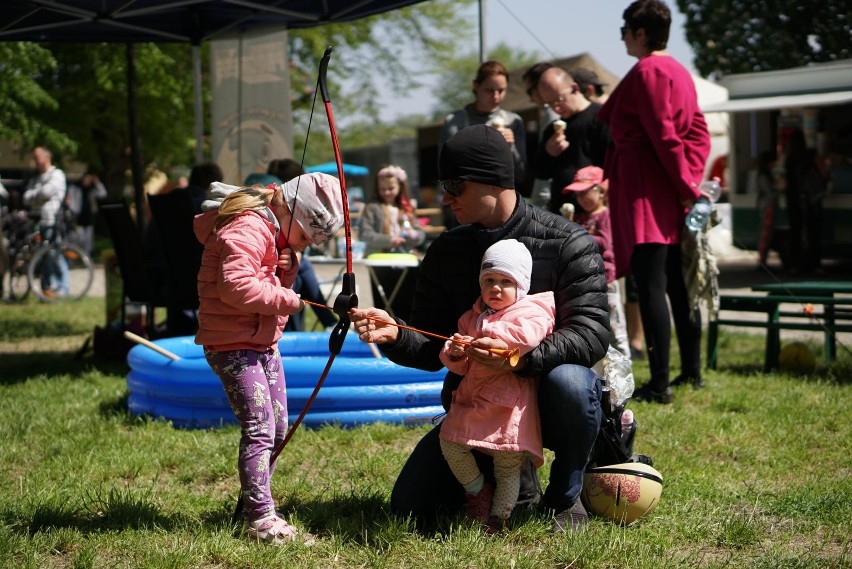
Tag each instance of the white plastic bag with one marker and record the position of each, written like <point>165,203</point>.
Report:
<point>616,371</point>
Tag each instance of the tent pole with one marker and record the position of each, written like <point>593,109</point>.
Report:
<point>483,7</point>
<point>199,104</point>
<point>135,155</point>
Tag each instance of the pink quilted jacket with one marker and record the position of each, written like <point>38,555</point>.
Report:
<point>243,305</point>
<point>495,409</point>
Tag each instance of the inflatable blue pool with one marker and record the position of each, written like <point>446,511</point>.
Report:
<point>359,389</point>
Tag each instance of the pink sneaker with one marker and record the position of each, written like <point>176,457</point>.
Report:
<point>273,529</point>
<point>479,505</point>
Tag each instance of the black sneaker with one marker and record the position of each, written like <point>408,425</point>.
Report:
<point>575,518</point>
<point>645,393</point>
<point>695,382</point>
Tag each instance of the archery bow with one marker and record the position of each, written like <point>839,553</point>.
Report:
<point>346,300</point>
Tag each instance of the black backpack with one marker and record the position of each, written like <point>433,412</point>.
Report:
<point>614,445</point>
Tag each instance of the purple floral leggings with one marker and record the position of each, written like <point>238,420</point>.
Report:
<point>254,384</point>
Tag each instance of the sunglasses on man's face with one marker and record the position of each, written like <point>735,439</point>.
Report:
<point>452,187</point>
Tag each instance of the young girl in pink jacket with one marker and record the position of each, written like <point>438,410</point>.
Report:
<point>247,268</point>
<point>495,411</point>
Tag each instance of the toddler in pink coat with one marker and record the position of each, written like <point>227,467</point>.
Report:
<point>495,411</point>
<point>247,268</point>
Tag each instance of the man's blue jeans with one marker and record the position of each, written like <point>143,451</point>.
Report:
<point>569,401</point>
<point>55,273</point>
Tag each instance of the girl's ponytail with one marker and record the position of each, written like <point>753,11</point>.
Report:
<point>254,198</point>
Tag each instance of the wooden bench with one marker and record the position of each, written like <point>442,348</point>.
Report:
<point>835,316</point>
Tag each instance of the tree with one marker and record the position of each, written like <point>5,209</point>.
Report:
<point>90,85</point>
<point>367,51</point>
<point>24,103</point>
<point>366,59</point>
<point>457,73</point>
<point>741,36</point>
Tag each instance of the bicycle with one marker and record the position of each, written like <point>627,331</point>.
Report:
<point>52,269</point>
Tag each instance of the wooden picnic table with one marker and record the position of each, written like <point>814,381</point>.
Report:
<point>834,314</point>
<point>810,293</point>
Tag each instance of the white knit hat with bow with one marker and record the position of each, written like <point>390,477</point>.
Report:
<point>511,258</point>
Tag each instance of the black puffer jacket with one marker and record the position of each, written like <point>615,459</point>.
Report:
<point>565,260</point>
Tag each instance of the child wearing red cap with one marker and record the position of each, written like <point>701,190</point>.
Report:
<point>590,187</point>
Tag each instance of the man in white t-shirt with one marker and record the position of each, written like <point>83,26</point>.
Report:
<point>44,194</point>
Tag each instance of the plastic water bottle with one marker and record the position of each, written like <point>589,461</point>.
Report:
<point>628,429</point>
<point>406,229</point>
<point>699,215</point>
<point>626,423</point>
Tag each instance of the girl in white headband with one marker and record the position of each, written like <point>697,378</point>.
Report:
<point>389,225</point>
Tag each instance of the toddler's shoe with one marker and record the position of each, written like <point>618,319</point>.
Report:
<point>494,525</point>
<point>479,505</point>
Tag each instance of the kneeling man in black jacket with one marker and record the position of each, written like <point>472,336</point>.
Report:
<point>476,171</point>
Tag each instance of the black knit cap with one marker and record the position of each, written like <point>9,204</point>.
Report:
<point>585,77</point>
<point>478,153</point>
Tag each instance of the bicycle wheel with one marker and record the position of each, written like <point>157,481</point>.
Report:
<point>19,282</point>
<point>61,272</point>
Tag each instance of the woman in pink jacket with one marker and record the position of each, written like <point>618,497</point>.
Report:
<point>660,146</point>
<point>249,236</point>
<point>496,412</point>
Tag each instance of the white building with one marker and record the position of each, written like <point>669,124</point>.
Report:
<point>764,108</point>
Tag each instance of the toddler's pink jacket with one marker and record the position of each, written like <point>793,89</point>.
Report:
<point>494,409</point>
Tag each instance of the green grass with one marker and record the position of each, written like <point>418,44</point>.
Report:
<point>757,473</point>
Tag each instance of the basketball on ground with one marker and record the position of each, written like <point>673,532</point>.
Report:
<point>797,357</point>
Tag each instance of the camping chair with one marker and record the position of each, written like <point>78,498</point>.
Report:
<point>173,215</point>
<point>180,254</point>
<point>136,285</point>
